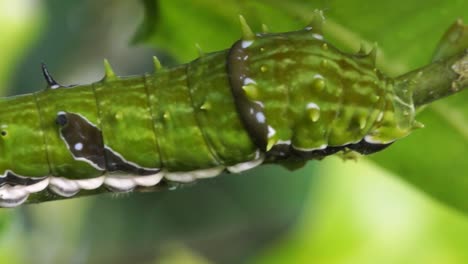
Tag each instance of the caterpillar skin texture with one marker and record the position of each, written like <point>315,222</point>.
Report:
<point>282,98</point>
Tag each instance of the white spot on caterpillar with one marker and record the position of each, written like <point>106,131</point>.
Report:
<point>317,36</point>
<point>271,132</point>
<point>246,43</point>
<point>248,81</point>
<point>189,176</point>
<point>260,117</point>
<point>283,142</point>
<point>312,106</point>
<point>78,146</point>
<point>240,167</point>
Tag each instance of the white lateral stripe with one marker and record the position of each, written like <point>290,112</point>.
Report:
<point>63,187</point>
<point>11,196</point>
<point>180,176</point>
<point>189,176</point>
<point>90,184</point>
<point>120,183</point>
<point>373,140</point>
<point>240,167</point>
<point>323,146</point>
<point>208,173</point>
<point>5,203</point>
<point>149,180</point>
<point>36,187</point>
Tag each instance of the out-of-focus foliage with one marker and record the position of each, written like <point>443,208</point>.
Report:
<point>20,22</point>
<point>365,215</point>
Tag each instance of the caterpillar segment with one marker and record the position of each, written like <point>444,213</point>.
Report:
<point>300,98</point>
<point>281,97</point>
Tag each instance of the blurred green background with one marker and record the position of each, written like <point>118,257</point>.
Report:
<point>407,204</point>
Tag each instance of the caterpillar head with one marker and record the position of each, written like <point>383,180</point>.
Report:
<point>297,90</point>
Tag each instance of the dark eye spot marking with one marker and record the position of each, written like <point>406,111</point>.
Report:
<point>61,119</point>
<point>83,139</point>
<point>3,133</point>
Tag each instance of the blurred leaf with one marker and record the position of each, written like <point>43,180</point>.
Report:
<point>179,254</point>
<point>20,23</point>
<point>6,217</point>
<point>19,26</point>
<point>150,21</point>
<point>455,40</point>
<point>368,216</point>
<point>407,31</point>
<point>225,219</point>
<point>182,24</point>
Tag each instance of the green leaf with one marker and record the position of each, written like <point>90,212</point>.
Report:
<point>362,214</point>
<point>435,158</point>
<point>150,21</point>
<point>177,26</point>
<point>20,26</point>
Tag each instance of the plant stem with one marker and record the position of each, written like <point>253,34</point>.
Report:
<point>436,80</point>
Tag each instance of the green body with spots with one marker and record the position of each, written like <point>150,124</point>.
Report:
<point>173,119</point>
<point>316,96</point>
<point>271,98</point>
<point>186,118</point>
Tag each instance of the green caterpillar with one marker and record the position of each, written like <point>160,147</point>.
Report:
<point>271,98</point>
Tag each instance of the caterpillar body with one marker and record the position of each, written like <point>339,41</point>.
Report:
<point>271,98</point>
